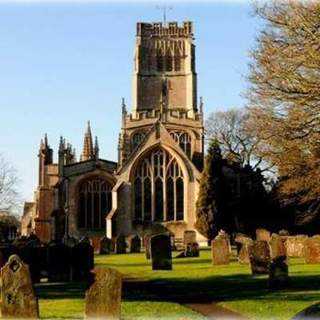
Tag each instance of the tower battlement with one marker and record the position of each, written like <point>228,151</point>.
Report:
<point>158,29</point>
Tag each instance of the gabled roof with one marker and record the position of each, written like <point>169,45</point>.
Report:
<point>89,165</point>
<point>159,130</point>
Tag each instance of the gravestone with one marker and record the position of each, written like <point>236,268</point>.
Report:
<point>58,261</point>
<point>18,299</point>
<point>30,251</point>
<point>121,245</point>
<point>189,236</point>
<point>95,242</point>
<point>70,241</point>
<point>223,235</point>
<point>6,250</point>
<point>135,244</point>
<point>82,260</point>
<point>263,235</point>
<point>192,250</point>
<point>103,298</point>
<point>284,233</point>
<point>147,245</point>
<point>105,245</point>
<point>278,273</point>
<point>295,246</point>
<point>312,250</point>
<point>243,255</point>
<point>277,246</point>
<point>259,253</point>
<point>220,251</point>
<point>161,255</point>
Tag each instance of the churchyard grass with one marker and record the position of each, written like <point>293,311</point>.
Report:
<point>154,294</point>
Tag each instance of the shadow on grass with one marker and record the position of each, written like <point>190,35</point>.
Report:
<point>221,288</point>
<point>68,290</point>
<point>208,289</point>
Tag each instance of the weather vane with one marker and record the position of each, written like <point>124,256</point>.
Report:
<point>165,10</point>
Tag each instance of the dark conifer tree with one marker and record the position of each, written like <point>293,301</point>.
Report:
<point>209,204</point>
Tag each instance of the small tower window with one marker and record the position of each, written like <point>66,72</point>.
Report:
<point>159,63</point>
<point>168,63</point>
<point>177,63</point>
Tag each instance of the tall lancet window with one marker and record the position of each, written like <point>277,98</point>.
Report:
<point>184,141</point>
<point>169,62</point>
<point>158,184</point>
<point>177,63</point>
<point>94,204</point>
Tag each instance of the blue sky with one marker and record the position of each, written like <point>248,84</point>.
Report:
<point>62,64</point>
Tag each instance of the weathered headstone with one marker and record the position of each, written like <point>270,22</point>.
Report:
<point>263,235</point>
<point>259,252</point>
<point>192,250</point>
<point>189,236</point>
<point>312,250</point>
<point>284,233</point>
<point>224,235</point>
<point>105,245</point>
<point>70,241</point>
<point>161,255</point>
<point>121,244</point>
<point>278,273</point>
<point>243,255</point>
<point>103,298</point>
<point>58,262</point>
<point>220,251</point>
<point>147,245</point>
<point>295,246</point>
<point>277,247</point>
<point>243,241</point>
<point>135,244</point>
<point>18,299</point>
<point>95,242</point>
<point>29,250</point>
<point>82,260</point>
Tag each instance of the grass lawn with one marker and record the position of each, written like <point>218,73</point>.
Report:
<point>156,294</point>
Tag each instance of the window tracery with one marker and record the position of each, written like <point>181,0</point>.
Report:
<point>158,188</point>
<point>184,141</point>
<point>94,203</point>
<point>136,139</point>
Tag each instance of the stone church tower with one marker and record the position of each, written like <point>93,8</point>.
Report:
<point>161,141</point>
<point>160,154</point>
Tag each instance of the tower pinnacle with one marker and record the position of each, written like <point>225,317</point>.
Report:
<point>88,151</point>
<point>96,148</point>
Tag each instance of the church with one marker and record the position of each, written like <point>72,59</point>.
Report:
<point>160,154</point>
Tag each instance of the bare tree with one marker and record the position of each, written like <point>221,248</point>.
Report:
<point>9,196</point>
<point>283,96</point>
<point>236,141</point>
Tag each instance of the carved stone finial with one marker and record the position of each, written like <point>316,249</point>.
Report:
<point>88,150</point>
<point>201,105</point>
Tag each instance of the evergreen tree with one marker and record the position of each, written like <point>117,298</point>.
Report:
<point>209,204</point>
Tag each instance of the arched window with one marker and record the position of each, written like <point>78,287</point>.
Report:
<point>184,141</point>
<point>158,188</point>
<point>136,139</point>
<point>94,203</point>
